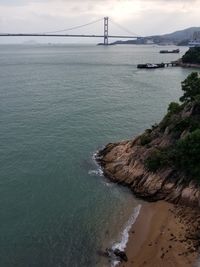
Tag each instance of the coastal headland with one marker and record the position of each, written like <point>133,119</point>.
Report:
<point>162,166</point>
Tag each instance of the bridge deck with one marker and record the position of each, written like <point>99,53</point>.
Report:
<point>66,35</point>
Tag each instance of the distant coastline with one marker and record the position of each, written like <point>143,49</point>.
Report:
<point>180,38</point>
<point>189,65</point>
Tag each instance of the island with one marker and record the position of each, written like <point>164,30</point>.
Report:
<point>162,166</point>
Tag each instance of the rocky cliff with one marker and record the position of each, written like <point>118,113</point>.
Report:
<point>126,162</point>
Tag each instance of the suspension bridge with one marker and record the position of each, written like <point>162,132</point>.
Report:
<point>59,33</point>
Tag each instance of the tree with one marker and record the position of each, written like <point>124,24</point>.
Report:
<point>186,154</point>
<point>192,56</point>
<point>191,87</point>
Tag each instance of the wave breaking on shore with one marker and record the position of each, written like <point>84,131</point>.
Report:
<point>98,171</point>
<point>121,245</point>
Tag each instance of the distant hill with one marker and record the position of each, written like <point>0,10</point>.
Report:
<point>181,37</point>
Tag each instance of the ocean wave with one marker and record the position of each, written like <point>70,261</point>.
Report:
<point>95,157</point>
<point>121,245</point>
<point>97,172</point>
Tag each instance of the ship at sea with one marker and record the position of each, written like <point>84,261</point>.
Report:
<point>175,51</point>
<point>195,42</point>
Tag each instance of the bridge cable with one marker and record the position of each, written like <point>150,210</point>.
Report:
<point>76,27</point>
<point>123,28</point>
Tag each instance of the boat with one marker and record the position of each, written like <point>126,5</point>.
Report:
<point>194,43</point>
<point>175,51</point>
<point>150,66</point>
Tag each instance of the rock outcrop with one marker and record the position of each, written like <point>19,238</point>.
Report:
<point>124,162</point>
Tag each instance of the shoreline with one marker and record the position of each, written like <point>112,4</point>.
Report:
<point>189,65</point>
<point>164,234</point>
<point>161,166</point>
<point>158,237</point>
<point>121,245</point>
<point>125,234</point>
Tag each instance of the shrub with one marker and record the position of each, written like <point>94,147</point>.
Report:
<point>191,87</point>
<point>158,159</point>
<point>165,122</point>
<point>197,99</point>
<point>145,139</point>
<point>174,108</point>
<point>187,154</point>
<point>182,125</point>
<point>184,154</point>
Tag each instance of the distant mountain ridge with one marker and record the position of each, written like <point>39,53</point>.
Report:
<point>182,34</point>
<point>181,37</point>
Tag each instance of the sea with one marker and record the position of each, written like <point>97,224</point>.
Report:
<point>60,104</point>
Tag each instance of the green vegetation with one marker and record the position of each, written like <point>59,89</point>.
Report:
<point>190,124</point>
<point>191,87</point>
<point>183,122</point>
<point>174,108</point>
<point>187,154</point>
<point>184,156</point>
<point>145,139</point>
<point>192,56</point>
<point>159,158</point>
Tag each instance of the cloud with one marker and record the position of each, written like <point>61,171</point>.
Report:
<point>141,16</point>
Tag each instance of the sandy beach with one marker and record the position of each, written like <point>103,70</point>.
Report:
<point>159,237</point>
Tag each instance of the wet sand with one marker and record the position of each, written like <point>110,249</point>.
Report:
<point>159,238</point>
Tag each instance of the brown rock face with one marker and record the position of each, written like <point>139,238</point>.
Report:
<point>124,163</point>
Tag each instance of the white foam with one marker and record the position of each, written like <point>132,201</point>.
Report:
<point>94,156</point>
<point>108,184</point>
<point>97,172</point>
<point>121,245</point>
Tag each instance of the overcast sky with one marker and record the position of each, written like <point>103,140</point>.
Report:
<point>143,17</point>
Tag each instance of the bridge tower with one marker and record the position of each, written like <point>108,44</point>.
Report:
<point>105,30</point>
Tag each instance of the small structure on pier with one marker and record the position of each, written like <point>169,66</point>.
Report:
<point>158,65</point>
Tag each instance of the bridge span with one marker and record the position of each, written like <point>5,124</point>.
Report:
<point>105,36</point>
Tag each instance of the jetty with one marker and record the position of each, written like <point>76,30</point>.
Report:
<point>158,65</point>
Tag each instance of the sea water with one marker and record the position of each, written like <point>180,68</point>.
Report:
<point>59,104</point>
